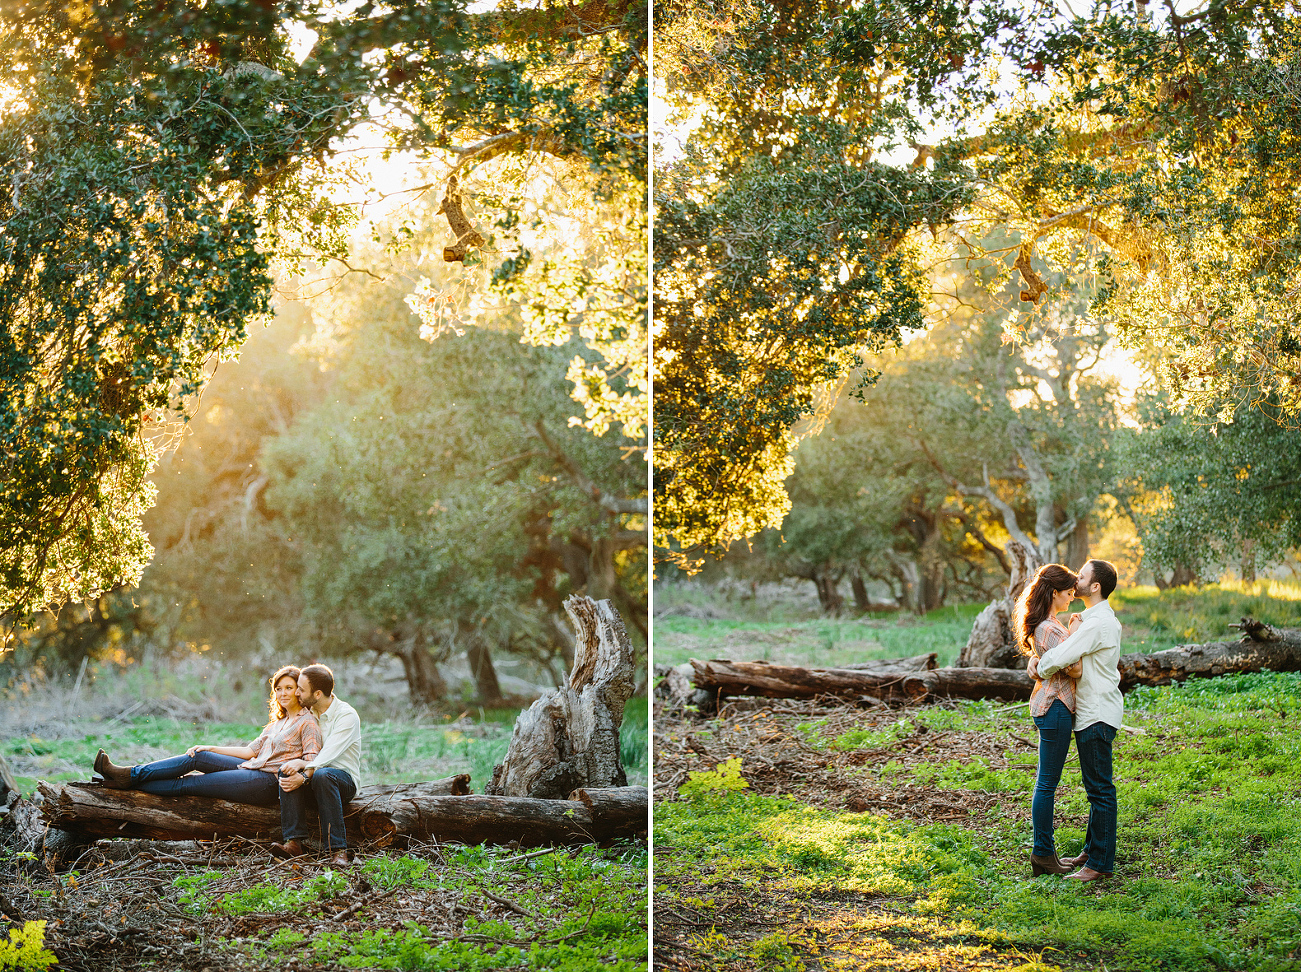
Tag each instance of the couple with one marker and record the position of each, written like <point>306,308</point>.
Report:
<point>1077,685</point>
<point>310,752</point>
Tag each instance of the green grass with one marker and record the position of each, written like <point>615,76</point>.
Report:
<point>1152,620</point>
<point>392,752</point>
<point>819,642</point>
<point>589,911</point>
<point>1209,857</point>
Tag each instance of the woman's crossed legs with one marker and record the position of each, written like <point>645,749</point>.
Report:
<point>221,778</point>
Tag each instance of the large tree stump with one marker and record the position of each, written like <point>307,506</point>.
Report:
<point>378,814</point>
<point>993,643</point>
<point>569,738</point>
<point>415,811</point>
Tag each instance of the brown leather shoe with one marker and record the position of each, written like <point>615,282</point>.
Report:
<point>1086,874</point>
<point>115,777</point>
<point>1079,860</point>
<point>1047,865</point>
<point>340,858</point>
<point>290,848</point>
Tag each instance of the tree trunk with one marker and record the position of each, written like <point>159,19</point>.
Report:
<point>932,566</point>
<point>414,811</point>
<point>862,604</point>
<point>1179,577</point>
<point>827,582</point>
<point>569,738</point>
<point>1249,561</point>
<point>485,675</point>
<point>424,681</point>
<point>1077,544</point>
<point>376,814</point>
<point>993,643</point>
<point>909,578</point>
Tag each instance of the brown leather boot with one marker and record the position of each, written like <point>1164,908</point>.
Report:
<point>340,858</point>
<point>290,848</point>
<point>1081,858</point>
<point>1086,874</point>
<point>115,777</point>
<point>1047,865</point>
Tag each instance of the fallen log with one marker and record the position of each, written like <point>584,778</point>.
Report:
<point>894,666</point>
<point>91,808</point>
<point>420,811</point>
<point>615,809</point>
<point>1262,648</point>
<point>523,820</point>
<point>790,682</point>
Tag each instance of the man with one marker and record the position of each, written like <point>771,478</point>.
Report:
<point>331,779</point>
<point>1095,641</point>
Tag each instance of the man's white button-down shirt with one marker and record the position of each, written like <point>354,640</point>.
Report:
<point>1096,643</point>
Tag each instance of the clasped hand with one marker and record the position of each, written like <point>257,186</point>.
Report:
<point>292,775</point>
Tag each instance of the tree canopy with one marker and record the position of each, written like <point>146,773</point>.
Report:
<point>162,159</point>
<point>964,441</point>
<point>1205,496</point>
<point>1152,154</point>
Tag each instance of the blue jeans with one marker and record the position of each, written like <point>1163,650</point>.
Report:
<point>1054,743</point>
<point>221,778</point>
<point>329,789</point>
<point>1094,746</point>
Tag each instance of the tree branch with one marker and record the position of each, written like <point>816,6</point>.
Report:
<point>606,501</point>
<point>986,492</point>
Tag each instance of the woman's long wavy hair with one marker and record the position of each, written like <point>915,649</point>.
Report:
<point>1036,603</point>
<point>273,705</point>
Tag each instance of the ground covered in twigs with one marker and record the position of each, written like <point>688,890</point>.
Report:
<point>205,906</point>
<point>822,835</point>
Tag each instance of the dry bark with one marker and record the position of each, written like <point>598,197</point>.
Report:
<point>790,682</point>
<point>377,814</point>
<point>894,666</point>
<point>380,816</point>
<point>569,738</point>
<point>616,810</point>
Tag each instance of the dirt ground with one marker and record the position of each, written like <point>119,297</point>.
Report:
<point>828,932</point>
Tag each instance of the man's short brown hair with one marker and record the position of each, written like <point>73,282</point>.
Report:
<point>1104,573</point>
<point>320,678</point>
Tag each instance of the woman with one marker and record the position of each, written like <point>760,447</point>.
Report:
<point>1052,703</point>
<point>242,774</point>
